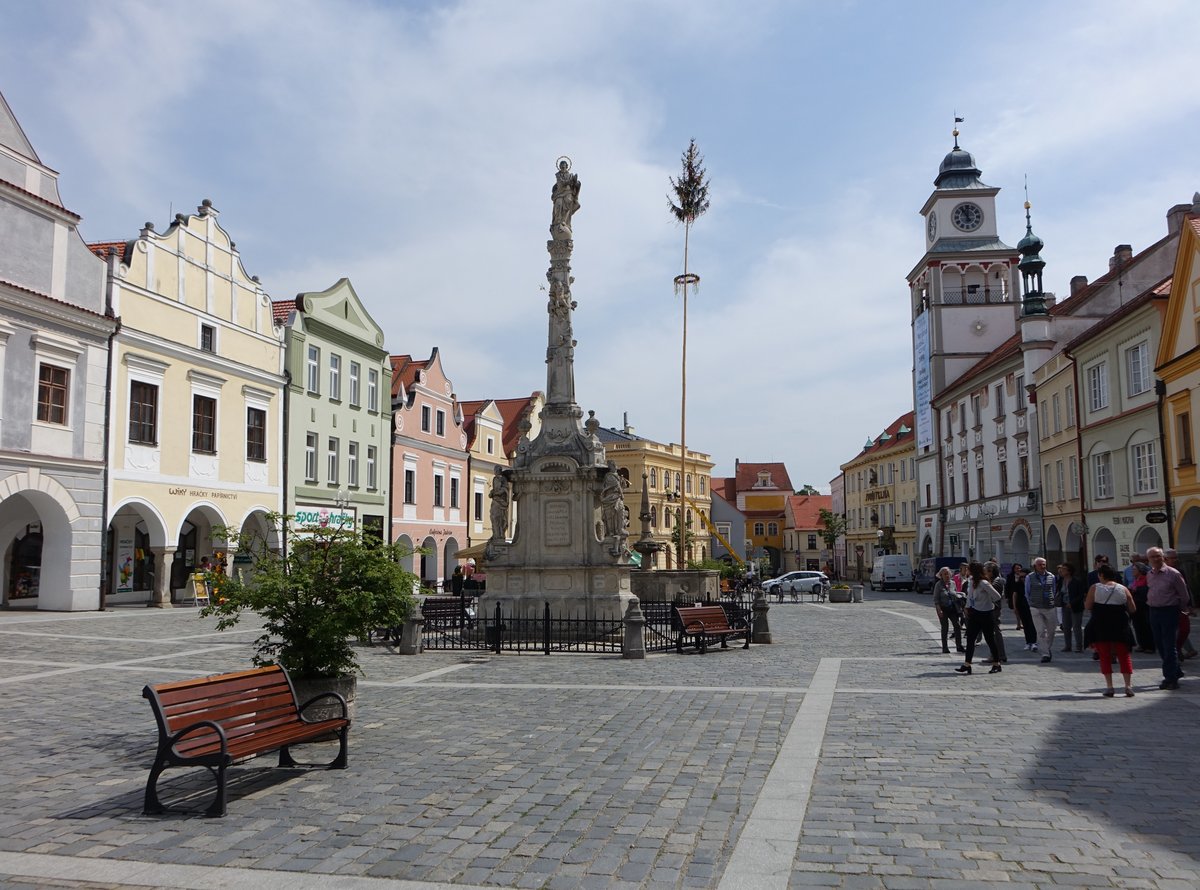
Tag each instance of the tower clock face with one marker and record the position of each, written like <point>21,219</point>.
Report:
<point>932,224</point>
<point>967,216</point>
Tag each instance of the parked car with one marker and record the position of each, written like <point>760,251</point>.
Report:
<point>803,581</point>
<point>892,570</point>
<point>928,568</point>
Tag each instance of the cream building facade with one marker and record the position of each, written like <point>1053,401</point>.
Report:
<point>196,406</point>
<point>880,491</point>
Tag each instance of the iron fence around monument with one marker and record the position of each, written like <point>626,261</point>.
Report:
<point>455,623</point>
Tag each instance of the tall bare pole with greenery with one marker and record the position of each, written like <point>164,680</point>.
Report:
<point>689,202</point>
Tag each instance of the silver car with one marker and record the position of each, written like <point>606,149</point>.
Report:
<point>799,582</point>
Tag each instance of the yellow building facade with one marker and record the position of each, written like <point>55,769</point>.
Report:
<point>196,407</point>
<point>880,489</point>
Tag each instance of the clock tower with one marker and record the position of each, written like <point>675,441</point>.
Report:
<point>964,297</point>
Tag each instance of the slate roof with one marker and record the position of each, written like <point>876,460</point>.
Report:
<point>963,245</point>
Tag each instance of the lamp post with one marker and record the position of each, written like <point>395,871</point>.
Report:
<point>879,549</point>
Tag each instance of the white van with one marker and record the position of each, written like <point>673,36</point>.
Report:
<point>892,570</point>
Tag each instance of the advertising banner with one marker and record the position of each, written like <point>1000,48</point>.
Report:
<point>308,517</point>
<point>921,382</point>
<point>125,564</point>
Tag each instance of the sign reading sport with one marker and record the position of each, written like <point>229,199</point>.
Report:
<point>308,517</point>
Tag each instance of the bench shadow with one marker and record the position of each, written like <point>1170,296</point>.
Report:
<point>186,793</point>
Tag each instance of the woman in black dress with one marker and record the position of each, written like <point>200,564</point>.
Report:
<point>1109,631</point>
<point>982,600</point>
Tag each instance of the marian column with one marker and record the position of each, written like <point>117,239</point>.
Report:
<point>568,547</point>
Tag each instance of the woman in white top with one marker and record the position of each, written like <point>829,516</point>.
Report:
<point>982,600</point>
<point>1109,631</point>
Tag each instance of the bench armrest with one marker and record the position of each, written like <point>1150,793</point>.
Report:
<point>202,724</point>
<point>317,698</point>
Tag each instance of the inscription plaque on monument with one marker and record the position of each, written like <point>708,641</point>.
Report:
<point>556,523</point>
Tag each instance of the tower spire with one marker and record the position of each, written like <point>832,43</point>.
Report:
<point>1033,301</point>
<point>957,120</point>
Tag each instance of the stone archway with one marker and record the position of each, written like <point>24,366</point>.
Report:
<point>429,563</point>
<point>1020,547</point>
<point>137,538</point>
<point>41,527</point>
<point>204,532</point>
<point>1105,544</point>
<point>1146,538</point>
<point>407,556</point>
<point>1054,547</point>
<point>927,547</point>
<point>449,554</point>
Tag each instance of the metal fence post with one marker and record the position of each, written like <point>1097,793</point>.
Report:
<point>498,627</point>
<point>546,629</point>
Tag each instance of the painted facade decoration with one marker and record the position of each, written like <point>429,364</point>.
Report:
<point>196,407</point>
<point>54,340</point>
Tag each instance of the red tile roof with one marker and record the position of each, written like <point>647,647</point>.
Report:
<point>724,487</point>
<point>281,310</point>
<point>806,509</point>
<point>101,248</point>
<point>468,411</point>
<point>895,439</point>
<point>513,410</point>
<point>747,476</point>
<point>404,373</point>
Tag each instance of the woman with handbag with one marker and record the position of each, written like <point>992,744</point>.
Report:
<point>1109,630</point>
<point>946,603</point>
<point>982,601</point>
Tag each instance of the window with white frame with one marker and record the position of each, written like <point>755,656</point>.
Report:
<point>1145,468</point>
<point>352,464</point>
<point>355,374</point>
<point>999,400</point>
<point>332,459</point>
<point>1137,367</point>
<point>772,528</point>
<point>372,389</point>
<point>310,457</point>
<point>453,492</point>
<point>654,477</point>
<point>204,424</point>
<point>1070,405</point>
<point>441,422</point>
<point>1060,480</point>
<point>335,376</point>
<point>143,413</point>
<point>491,444</point>
<point>410,486</point>
<point>1102,474</point>
<point>372,478</point>
<point>438,480</point>
<point>759,529</point>
<point>1057,402</point>
<point>54,384</point>
<point>1073,474</point>
<point>426,418</point>
<point>1097,376</point>
<point>314,369</point>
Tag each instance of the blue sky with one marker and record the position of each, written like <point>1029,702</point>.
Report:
<point>410,147</point>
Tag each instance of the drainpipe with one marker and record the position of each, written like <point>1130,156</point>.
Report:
<point>287,393</point>
<point>1160,390</point>
<point>105,555</point>
<point>1079,473</point>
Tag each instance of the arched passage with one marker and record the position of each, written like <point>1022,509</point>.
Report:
<point>429,563</point>
<point>38,537</point>
<point>1019,547</point>
<point>135,529</point>
<point>1104,544</point>
<point>407,557</point>
<point>1147,537</point>
<point>1054,547</point>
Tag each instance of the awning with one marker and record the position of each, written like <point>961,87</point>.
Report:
<point>473,552</point>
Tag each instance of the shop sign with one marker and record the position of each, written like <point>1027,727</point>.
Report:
<point>309,517</point>
<point>125,564</point>
<point>1156,517</point>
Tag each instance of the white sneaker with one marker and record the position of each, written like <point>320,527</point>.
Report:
<point>1033,648</point>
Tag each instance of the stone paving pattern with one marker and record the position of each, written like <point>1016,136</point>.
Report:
<point>582,771</point>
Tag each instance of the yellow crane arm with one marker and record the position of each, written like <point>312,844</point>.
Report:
<point>712,528</point>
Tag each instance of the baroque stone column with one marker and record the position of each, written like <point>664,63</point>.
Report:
<point>161,596</point>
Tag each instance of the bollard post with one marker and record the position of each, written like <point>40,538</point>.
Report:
<point>412,640</point>
<point>633,643</point>
<point>761,627</point>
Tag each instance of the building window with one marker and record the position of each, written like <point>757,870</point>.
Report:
<point>355,372</point>
<point>759,529</point>
<point>812,542</point>
<point>256,435</point>
<point>453,492</point>
<point>410,486</point>
<point>966,480</point>
<point>1137,363</point>
<point>437,490</point>
<point>654,516</point>
<point>1070,405</point>
<point>929,494</point>
<point>1003,477</point>
<point>310,457</point>
<point>687,481</point>
<point>1098,386</point>
<point>1102,474</point>
<point>426,418</point>
<point>1057,413</point>
<point>1185,439</point>
<point>314,369</point>
<point>208,338</point>
<point>441,422</point>
<point>999,400</point>
<point>950,489</point>
<point>372,479</point>
<point>1047,491</point>
<point>1145,468</point>
<point>962,417</point>
<point>335,377</point>
<point>491,445</point>
<point>332,459</point>
<point>143,413</point>
<point>52,394</point>
<point>1060,481</point>
<point>1023,466</point>
<point>703,484</point>
<point>772,528</point>
<point>352,464</point>
<point>479,506</point>
<point>1073,472</point>
<point>372,390</point>
<point>976,416</point>
<point>654,477</point>
<point>204,425</point>
<point>979,491</point>
<point>1020,396</point>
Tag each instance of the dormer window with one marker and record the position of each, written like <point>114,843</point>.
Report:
<point>764,480</point>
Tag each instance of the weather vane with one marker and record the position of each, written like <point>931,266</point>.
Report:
<point>957,120</point>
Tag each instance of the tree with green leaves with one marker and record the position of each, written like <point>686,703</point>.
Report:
<point>689,203</point>
<point>808,489</point>
<point>833,526</point>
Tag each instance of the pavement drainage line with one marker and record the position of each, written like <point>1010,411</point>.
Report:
<point>196,877</point>
<point>766,848</point>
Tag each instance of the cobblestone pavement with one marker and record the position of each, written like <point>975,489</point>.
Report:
<point>846,754</point>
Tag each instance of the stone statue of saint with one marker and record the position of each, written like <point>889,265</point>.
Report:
<point>500,496</point>
<point>565,196</point>
<point>612,504</point>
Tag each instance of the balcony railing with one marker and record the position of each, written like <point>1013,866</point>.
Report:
<point>973,296</point>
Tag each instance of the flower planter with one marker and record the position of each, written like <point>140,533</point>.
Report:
<point>326,708</point>
<point>839,595</point>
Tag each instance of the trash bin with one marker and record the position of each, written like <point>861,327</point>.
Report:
<point>856,593</point>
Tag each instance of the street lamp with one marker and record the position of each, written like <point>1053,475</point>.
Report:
<point>879,549</point>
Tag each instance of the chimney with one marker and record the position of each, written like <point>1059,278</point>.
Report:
<point>1175,217</point>
<point>1078,283</point>
<point>625,423</point>
<point>1050,300</point>
<point>1122,254</point>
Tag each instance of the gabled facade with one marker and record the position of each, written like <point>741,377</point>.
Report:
<point>339,413</point>
<point>762,491</point>
<point>1178,367</point>
<point>484,426</point>
<point>880,492</point>
<point>54,345</point>
<point>429,467</point>
<point>803,546</point>
<point>635,457</point>
<point>196,407</point>
<point>728,520</point>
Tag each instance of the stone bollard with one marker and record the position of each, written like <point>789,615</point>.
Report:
<point>760,627</point>
<point>411,639</point>
<point>856,593</point>
<point>633,644</point>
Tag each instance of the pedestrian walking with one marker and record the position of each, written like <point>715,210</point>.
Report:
<point>945,601</point>
<point>1141,617</point>
<point>1074,595</point>
<point>992,572</point>
<point>1168,596</point>
<point>1041,590</point>
<point>1109,631</point>
<point>1183,642</point>
<point>982,600</point>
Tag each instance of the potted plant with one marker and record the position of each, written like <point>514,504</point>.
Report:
<point>327,591</point>
<point>839,593</point>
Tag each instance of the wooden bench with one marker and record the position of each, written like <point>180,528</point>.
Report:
<point>218,720</point>
<point>705,624</point>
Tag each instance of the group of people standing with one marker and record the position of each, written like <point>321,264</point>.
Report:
<point>1150,611</point>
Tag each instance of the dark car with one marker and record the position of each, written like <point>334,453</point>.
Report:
<point>928,568</point>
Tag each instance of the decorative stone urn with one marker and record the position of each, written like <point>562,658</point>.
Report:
<point>839,595</point>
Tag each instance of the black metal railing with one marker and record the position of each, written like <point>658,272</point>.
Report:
<point>977,296</point>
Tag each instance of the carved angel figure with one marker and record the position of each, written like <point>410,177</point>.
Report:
<point>565,196</point>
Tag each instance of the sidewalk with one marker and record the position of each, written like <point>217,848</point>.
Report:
<point>847,754</point>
